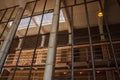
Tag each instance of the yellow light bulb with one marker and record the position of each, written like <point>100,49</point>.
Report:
<point>100,14</point>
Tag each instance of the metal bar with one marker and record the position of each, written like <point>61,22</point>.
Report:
<point>15,68</point>
<point>40,13</point>
<point>3,15</point>
<point>87,45</point>
<point>9,7</point>
<point>79,4</point>
<point>39,0</point>
<point>90,41</point>
<point>56,16</point>
<point>37,40</point>
<point>86,36</point>
<point>14,33</point>
<point>72,44</point>
<point>110,39</point>
<point>50,63</point>
<point>75,38</point>
<point>51,10</point>
<point>80,37</point>
<point>9,39</point>
<point>7,22</point>
<point>23,41</point>
<point>17,5</point>
<point>10,44</point>
<point>42,67</point>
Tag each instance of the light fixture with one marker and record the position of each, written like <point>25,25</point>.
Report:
<point>100,14</point>
<point>65,73</point>
<point>81,72</point>
<point>98,72</point>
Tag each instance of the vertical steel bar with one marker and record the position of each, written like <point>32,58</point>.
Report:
<point>72,45</point>
<point>7,22</point>
<point>9,39</point>
<point>3,15</point>
<point>37,40</point>
<point>50,63</point>
<point>110,39</point>
<point>53,34</point>
<point>90,41</point>
<point>22,45</point>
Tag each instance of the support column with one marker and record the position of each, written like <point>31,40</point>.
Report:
<point>70,36</point>
<point>110,38</point>
<point>101,31</point>
<point>102,37</point>
<point>43,41</point>
<point>20,43</point>
<point>43,38</point>
<point>50,63</point>
<point>104,48</point>
<point>8,40</point>
<point>68,15</point>
<point>100,24</point>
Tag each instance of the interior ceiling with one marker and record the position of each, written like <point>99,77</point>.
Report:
<point>10,3</point>
<point>79,16</point>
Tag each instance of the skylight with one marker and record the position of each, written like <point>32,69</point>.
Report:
<point>24,23</point>
<point>47,20</point>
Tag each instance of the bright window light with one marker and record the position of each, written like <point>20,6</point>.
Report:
<point>47,20</point>
<point>24,23</point>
